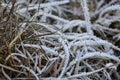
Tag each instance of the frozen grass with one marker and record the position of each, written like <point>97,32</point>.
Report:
<point>60,39</point>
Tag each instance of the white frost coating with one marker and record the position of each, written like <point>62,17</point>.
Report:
<point>55,3</point>
<point>74,36</point>
<point>49,50</point>
<point>49,27</point>
<point>3,5</point>
<point>100,55</point>
<point>94,55</point>
<point>30,56</point>
<point>88,43</point>
<point>111,8</point>
<point>84,74</point>
<point>100,4</point>
<point>117,37</point>
<point>44,17</point>
<point>39,71</point>
<point>43,5</point>
<point>52,16</point>
<point>31,71</point>
<point>93,43</point>
<point>74,23</point>
<point>98,11</point>
<point>66,38</point>
<point>110,64</point>
<point>36,62</point>
<point>67,55</point>
<point>102,28</point>
<point>53,78</point>
<point>87,16</point>
<point>46,49</point>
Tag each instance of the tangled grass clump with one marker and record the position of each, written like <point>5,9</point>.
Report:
<point>60,39</point>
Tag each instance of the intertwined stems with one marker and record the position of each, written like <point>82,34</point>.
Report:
<point>66,56</point>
